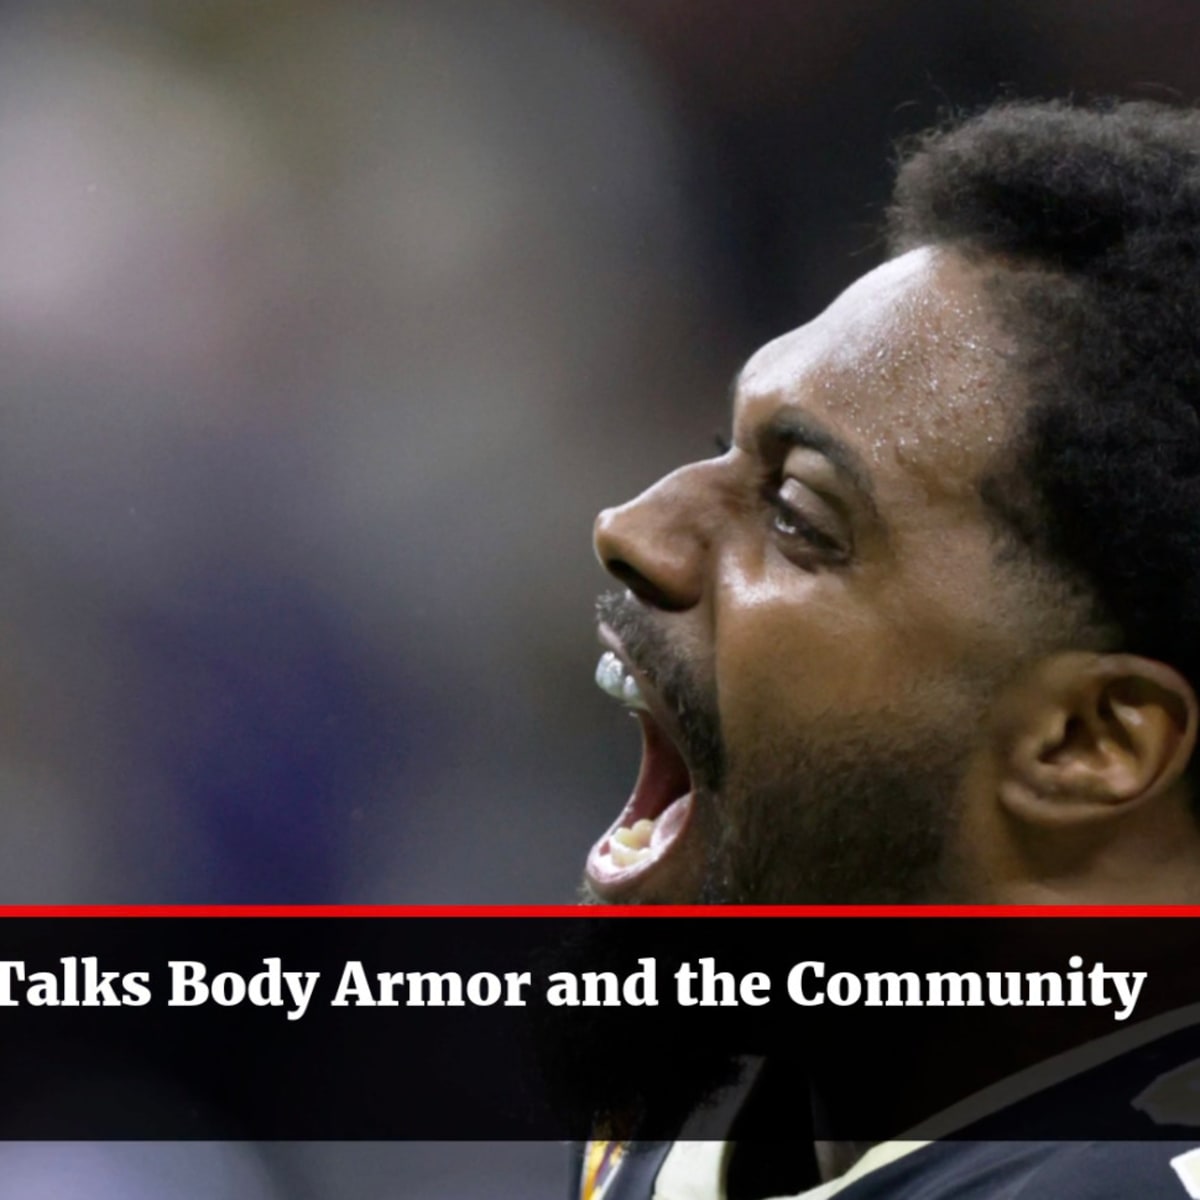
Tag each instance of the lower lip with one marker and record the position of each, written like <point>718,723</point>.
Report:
<point>612,882</point>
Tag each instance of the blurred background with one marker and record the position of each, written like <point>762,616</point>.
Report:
<point>326,327</point>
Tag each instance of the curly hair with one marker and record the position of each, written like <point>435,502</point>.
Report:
<point>1092,215</point>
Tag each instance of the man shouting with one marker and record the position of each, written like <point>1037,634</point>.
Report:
<point>927,629</point>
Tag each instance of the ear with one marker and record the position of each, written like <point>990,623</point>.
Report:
<point>1091,736</point>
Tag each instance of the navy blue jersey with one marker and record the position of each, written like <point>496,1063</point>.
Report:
<point>952,1170</point>
<point>1030,1171</point>
<point>1092,1125</point>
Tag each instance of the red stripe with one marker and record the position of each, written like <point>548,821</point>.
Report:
<point>573,910</point>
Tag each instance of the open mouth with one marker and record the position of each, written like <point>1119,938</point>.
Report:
<point>655,818</point>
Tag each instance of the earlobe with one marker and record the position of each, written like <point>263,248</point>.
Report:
<point>1092,736</point>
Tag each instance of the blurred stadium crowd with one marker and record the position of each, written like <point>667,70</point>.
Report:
<point>326,326</point>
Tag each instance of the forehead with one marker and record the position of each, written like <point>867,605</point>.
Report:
<point>905,366</point>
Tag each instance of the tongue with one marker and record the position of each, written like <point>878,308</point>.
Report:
<point>611,868</point>
<point>661,796</point>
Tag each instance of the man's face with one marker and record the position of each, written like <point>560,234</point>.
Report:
<point>816,622</point>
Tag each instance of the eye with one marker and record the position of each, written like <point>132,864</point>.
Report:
<point>721,442</point>
<point>790,522</point>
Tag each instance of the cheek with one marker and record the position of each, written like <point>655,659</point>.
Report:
<point>793,648</point>
<point>956,609</point>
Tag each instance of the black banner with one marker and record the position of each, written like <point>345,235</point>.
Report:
<point>540,1027</point>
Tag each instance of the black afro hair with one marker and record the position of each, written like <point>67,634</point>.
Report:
<point>1092,215</point>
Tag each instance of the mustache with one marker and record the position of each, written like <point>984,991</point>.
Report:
<point>674,678</point>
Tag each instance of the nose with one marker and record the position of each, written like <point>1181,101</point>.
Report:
<point>656,544</point>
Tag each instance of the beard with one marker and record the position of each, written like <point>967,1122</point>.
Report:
<point>620,1072</point>
<point>853,809</point>
<point>859,809</point>
<point>846,818</point>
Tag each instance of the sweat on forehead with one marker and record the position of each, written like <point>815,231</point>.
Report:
<point>912,350</point>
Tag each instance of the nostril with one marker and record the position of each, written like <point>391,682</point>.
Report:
<point>642,587</point>
<point>627,574</point>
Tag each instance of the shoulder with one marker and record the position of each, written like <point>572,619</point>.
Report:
<point>1031,1171</point>
<point>1116,1171</point>
<point>1149,1170</point>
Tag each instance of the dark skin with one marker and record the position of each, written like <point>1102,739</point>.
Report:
<point>837,569</point>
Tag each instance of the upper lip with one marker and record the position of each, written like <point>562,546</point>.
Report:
<point>660,711</point>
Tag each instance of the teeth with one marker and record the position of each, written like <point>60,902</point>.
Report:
<point>637,838</point>
<point>613,678</point>
<point>608,674</point>
<point>631,845</point>
<point>623,856</point>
